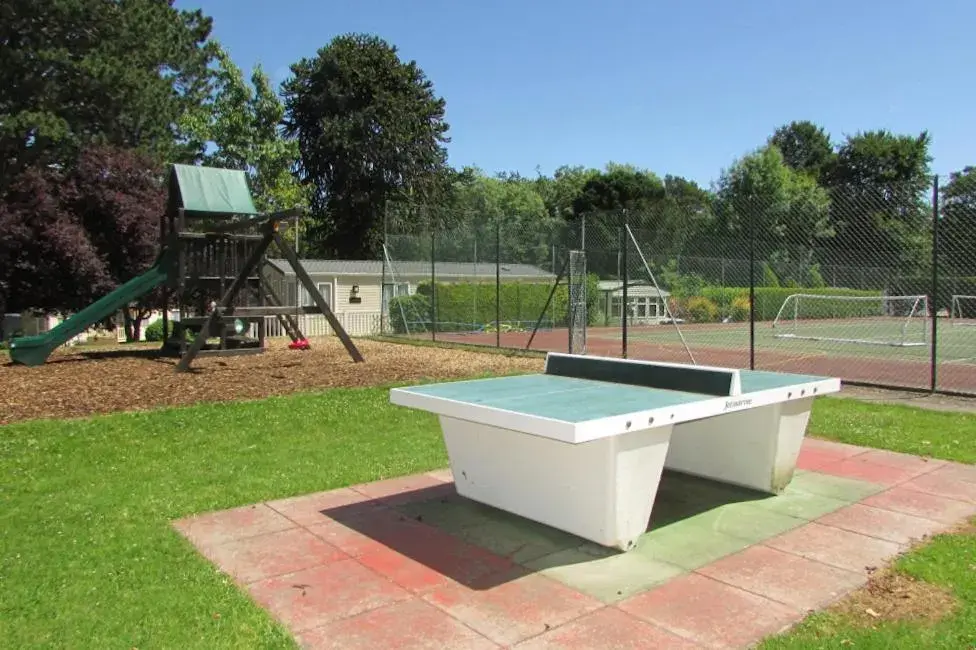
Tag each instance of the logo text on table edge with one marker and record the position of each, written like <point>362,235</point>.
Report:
<point>736,403</point>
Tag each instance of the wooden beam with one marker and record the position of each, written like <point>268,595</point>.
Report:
<point>190,235</point>
<point>268,310</point>
<point>268,294</point>
<point>290,213</point>
<point>313,291</point>
<point>229,352</point>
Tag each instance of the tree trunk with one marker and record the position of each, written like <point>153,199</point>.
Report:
<point>131,326</point>
<point>133,323</point>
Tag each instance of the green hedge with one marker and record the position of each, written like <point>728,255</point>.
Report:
<point>770,299</point>
<point>468,306</point>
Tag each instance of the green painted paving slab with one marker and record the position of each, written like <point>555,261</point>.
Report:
<point>520,540</point>
<point>803,505</point>
<point>835,487</point>
<point>607,577</point>
<point>500,532</point>
<point>694,522</point>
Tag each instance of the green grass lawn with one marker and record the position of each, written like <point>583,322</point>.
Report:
<point>88,558</point>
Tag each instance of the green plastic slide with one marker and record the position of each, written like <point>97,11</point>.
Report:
<point>34,350</point>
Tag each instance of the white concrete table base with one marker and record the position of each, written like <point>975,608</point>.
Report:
<point>597,477</point>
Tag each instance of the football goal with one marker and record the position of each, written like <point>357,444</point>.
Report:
<point>871,320</point>
<point>963,310</point>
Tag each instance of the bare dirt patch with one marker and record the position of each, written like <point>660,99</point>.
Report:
<point>933,401</point>
<point>890,596</point>
<point>82,383</point>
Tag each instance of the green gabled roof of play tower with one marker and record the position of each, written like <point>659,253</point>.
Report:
<point>211,190</point>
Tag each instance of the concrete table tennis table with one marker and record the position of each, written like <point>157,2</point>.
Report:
<point>581,447</point>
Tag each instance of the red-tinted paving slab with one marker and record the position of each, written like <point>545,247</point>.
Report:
<point>816,454</point>
<point>327,593</point>
<point>312,509</point>
<point>861,469</point>
<point>836,547</point>
<point>263,556</point>
<point>407,563</point>
<point>841,449</point>
<point>436,559</point>
<point>710,613</point>
<point>404,489</point>
<point>783,577</point>
<point>514,610</point>
<point>405,625</point>
<point>957,472</point>
<point>212,528</point>
<point>607,628</point>
<point>921,504</point>
<point>943,486</point>
<point>915,464</point>
<point>882,524</point>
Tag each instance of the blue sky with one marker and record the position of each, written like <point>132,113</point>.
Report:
<point>683,87</point>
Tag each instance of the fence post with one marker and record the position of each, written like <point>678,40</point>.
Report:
<point>386,235</point>
<point>626,272</point>
<point>433,280</point>
<point>752,290</point>
<point>498,283</point>
<point>935,283</point>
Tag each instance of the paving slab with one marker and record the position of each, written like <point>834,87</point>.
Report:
<point>710,613</point>
<point>407,563</point>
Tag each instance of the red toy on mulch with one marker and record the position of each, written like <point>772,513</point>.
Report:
<point>300,344</point>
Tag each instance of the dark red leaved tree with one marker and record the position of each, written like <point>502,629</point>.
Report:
<point>68,237</point>
<point>118,196</point>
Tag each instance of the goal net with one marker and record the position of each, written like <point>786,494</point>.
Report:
<point>963,310</point>
<point>871,320</point>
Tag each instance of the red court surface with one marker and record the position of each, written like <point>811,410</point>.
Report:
<point>406,564</point>
<point>892,369</point>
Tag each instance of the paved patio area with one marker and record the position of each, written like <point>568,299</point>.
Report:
<point>406,563</point>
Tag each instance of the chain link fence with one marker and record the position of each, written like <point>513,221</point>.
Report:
<point>876,285</point>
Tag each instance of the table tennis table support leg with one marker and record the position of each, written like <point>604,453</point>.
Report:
<point>755,448</point>
<point>602,491</point>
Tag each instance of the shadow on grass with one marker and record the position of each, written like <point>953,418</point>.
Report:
<point>482,547</point>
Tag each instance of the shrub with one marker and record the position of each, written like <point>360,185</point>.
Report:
<point>723,297</point>
<point>734,301</point>
<point>768,278</point>
<point>687,285</point>
<point>699,309</point>
<point>415,309</point>
<point>815,279</point>
<point>154,331</point>
<point>740,308</point>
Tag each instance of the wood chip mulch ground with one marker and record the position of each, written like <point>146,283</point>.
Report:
<point>80,383</point>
